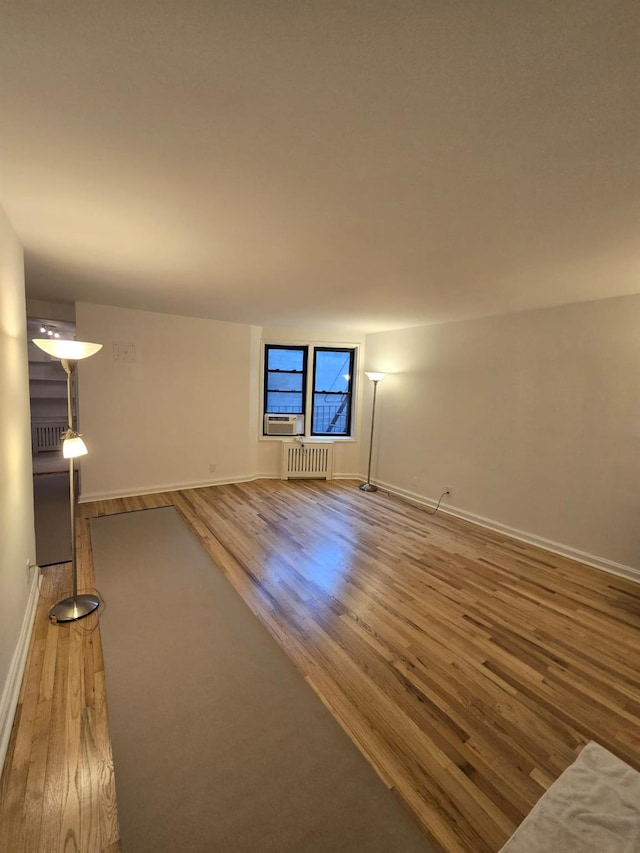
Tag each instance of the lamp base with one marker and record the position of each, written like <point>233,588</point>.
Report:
<point>70,609</point>
<point>368,487</point>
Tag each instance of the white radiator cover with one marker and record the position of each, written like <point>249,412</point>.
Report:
<point>307,460</point>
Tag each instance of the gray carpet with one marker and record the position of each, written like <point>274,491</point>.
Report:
<point>52,518</point>
<point>219,744</point>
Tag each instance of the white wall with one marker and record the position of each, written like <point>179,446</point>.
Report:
<point>183,404</point>
<point>17,538</point>
<point>533,419</point>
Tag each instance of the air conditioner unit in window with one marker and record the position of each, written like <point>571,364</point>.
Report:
<point>283,424</point>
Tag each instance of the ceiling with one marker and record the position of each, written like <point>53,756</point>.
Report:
<point>367,164</point>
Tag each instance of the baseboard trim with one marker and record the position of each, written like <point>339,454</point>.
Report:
<point>11,691</point>
<point>628,572</point>
<point>173,487</point>
<point>178,487</point>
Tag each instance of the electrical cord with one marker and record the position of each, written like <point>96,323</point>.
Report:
<point>434,511</point>
<point>78,623</point>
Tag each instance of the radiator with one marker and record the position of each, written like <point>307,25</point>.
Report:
<point>306,460</point>
<point>47,436</point>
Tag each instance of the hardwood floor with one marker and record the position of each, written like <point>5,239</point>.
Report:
<point>468,667</point>
<point>57,790</point>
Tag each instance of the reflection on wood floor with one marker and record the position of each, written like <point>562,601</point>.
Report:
<point>468,667</point>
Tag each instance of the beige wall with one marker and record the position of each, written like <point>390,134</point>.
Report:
<point>190,399</point>
<point>183,404</point>
<point>17,540</point>
<point>532,419</point>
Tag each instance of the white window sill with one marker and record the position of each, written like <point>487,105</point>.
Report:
<point>315,438</point>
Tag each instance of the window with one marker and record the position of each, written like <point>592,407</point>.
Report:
<point>329,378</point>
<point>285,379</point>
<point>332,382</point>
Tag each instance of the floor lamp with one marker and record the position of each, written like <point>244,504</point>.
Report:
<point>375,378</point>
<point>69,353</point>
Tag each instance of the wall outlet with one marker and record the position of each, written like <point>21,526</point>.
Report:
<point>212,468</point>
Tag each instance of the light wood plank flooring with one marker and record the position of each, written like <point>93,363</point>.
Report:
<point>57,790</point>
<point>468,667</point>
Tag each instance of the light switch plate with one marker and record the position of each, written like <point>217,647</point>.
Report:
<point>124,351</point>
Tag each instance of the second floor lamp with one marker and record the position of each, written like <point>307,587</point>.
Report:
<point>375,378</point>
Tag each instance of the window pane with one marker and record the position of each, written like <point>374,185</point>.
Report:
<point>284,382</point>
<point>332,371</point>
<point>331,413</point>
<point>285,359</point>
<point>283,403</point>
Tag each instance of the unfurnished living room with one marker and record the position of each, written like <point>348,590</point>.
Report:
<point>319,427</point>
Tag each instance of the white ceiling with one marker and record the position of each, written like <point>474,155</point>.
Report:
<point>364,164</point>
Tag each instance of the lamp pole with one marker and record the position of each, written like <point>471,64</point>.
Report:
<point>69,366</point>
<point>375,378</point>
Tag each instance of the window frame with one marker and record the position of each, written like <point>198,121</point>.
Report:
<point>352,358</point>
<point>304,349</point>
<point>310,346</point>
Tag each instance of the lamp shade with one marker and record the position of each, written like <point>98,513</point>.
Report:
<point>73,447</point>
<point>72,350</point>
<point>373,376</point>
